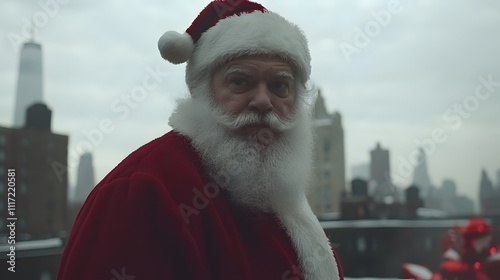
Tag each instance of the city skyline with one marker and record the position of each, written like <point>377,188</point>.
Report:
<point>412,84</point>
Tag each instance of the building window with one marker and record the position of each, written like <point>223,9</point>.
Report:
<point>361,244</point>
<point>326,145</point>
<point>46,276</point>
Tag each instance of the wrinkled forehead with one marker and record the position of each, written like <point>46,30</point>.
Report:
<point>275,62</point>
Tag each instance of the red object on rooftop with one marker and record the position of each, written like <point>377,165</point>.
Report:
<point>475,255</point>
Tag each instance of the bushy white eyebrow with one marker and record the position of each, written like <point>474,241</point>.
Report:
<point>236,70</point>
<point>285,74</point>
<point>244,71</point>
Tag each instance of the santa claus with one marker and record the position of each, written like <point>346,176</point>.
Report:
<point>222,195</point>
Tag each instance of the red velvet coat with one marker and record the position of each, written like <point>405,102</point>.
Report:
<point>155,217</point>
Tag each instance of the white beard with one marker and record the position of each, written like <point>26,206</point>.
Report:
<point>269,170</point>
<point>269,173</point>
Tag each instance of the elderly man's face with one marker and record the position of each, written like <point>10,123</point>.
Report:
<point>255,84</point>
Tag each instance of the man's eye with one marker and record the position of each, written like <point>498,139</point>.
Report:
<point>240,82</point>
<point>279,85</point>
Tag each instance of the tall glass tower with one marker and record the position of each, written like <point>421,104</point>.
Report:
<point>29,83</point>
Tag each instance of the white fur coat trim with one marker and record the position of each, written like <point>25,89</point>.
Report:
<point>309,239</point>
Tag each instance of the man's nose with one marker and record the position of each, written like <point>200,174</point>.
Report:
<point>261,99</point>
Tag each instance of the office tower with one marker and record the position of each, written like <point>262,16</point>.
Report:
<point>449,197</point>
<point>488,195</point>
<point>328,182</point>
<point>29,83</point>
<point>421,176</point>
<point>380,173</point>
<point>85,178</point>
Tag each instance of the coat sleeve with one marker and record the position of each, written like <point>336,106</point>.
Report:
<point>131,228</point>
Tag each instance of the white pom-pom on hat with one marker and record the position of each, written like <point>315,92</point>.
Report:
<point>175,47</point>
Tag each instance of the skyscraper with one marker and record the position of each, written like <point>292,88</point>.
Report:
<point>29,83</point>
<point>379,173</point>
<point>488,195</point>
<point>421,176</point>
<point>85,182</point>
<point>85,178</point>
<point>328,182</point>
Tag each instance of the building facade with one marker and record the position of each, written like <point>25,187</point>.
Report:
<point>328,179</point>
<point>36,156</point>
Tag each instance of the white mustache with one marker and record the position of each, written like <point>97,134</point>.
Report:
<point>275,122</point>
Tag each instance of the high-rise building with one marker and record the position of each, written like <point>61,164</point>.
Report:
<point>448,197</point>
<point>85,178</point>
<point>489,196</point>
<point>37,155</point>
<point>380,170</point>
<point>421,177</point>
<point>85,182</point>
<point>29,83</point>
<point>328,182</point>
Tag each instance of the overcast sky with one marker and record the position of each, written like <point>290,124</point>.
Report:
<point>399,72</point>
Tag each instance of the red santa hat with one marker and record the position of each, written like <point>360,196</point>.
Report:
<point>229,29</point>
